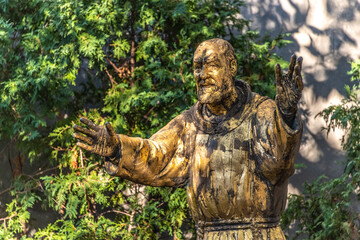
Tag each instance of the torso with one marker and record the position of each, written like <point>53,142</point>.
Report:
<point>223,181</point>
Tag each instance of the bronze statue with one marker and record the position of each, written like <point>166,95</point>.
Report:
<point>234,150</point>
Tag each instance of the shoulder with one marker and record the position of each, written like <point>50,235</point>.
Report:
<point>265,109</point>
<point>183,118</point>
<point>266,104</point>
<point>267,114</point>
<point>179,123</point>
<point>263,103</point>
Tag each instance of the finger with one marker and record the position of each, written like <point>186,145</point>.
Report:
<point>278,75</point>
<point>85,131</point>
<point>83,138</point>
<point>299,62</point>
<point>292,64</point>
<point>299,83</point>
<point>297,72</point>
<point>110,129</point>
<point>89,123</point>
<point>84,146</point>
<point>111,168</point>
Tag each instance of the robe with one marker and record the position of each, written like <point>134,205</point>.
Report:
<point>235,168</point>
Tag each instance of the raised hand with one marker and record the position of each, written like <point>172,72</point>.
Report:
<point>97,139</point>
<point>288,88</point>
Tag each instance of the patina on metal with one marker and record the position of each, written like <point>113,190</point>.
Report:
<point>234,150</point>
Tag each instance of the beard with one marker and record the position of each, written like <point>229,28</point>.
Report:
<point>212,94</point>
<point>209,94</point>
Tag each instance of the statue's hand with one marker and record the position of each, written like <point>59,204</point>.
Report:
<point>100,140</point>
<point>289,87</point>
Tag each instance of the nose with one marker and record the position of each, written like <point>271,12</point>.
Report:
<point>202,73</point>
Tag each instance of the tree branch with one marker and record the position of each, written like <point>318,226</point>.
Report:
<point>133,49</point>
<point>115,211</point>
<point>131,226</point>
<point>30,176</point>
<point>9,217</point>
<point>112,81</point>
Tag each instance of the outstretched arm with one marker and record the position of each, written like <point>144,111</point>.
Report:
<point>153,161</point>
<point>288,89</point>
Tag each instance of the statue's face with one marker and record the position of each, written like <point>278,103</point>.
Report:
<point>213,80</point>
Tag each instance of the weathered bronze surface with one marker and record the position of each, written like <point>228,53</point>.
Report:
<point>234,150</point>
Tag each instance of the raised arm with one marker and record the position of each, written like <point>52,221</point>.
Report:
<point>276,143</point>
<point>288,89</point>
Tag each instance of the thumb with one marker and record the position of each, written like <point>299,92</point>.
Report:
<point>110,129</point>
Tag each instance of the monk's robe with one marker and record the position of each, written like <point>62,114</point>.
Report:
<point>235,167</point>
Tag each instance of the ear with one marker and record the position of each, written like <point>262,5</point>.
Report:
<point>233,67</point>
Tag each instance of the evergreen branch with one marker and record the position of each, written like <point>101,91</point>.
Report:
<point>115,211</point>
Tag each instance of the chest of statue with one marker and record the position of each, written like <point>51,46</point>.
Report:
<point>222,175</point>
<point>218,159</point>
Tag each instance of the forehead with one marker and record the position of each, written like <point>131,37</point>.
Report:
<point>207,52</point>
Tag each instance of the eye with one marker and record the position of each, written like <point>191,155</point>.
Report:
<point>213,64</point>
<point>197,67</point>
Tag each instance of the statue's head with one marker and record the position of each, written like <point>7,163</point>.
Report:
<point>214,70</point>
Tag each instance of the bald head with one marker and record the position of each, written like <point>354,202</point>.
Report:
<point>222,47</point>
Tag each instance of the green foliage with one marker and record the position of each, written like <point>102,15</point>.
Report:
<point>327,207</point>
<point>131,60</point>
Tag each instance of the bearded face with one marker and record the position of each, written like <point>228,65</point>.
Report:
<point>213,77</point>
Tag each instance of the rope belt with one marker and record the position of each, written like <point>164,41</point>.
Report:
<point>237,224</point>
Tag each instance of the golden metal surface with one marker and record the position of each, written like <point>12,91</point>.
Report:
<point>233,150</point>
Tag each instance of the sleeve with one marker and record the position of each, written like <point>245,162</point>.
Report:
<point>156,161</point>
<point>276,144</point>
